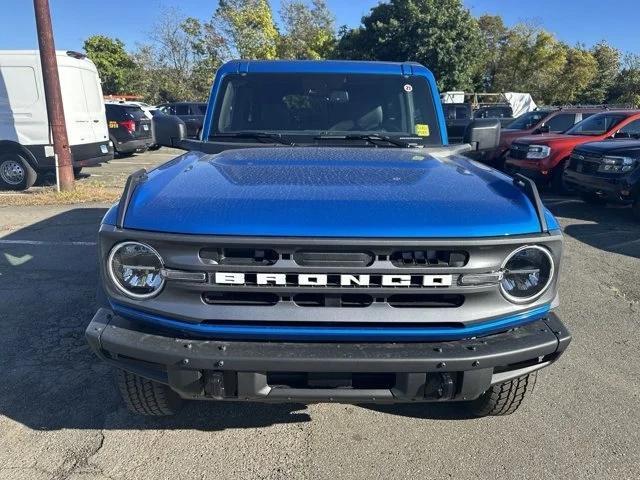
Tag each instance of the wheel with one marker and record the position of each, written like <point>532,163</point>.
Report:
<point>154,147</point>
<point>558,185</point>
<point>15,172</point>
<point>592,199</point>
<point>504,398</point>
<point>146,397</point>
<point>76,172</point>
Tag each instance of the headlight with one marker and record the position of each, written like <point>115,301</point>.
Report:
<point>136,269</point>
<point>617,164</point>
<point>538,151</point>
<point>528,272</point>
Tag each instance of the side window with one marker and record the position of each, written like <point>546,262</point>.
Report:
<point>561,122</point>
<point>18,87</point>
<point>631,130</point>
<point>181,109</point>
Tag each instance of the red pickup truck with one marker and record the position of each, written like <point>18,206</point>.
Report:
<point>537,122</point>
<point>544,157</point>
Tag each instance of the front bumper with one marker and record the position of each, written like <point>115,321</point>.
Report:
<point>323,372</point>
<point>134,146</point>
<point>620,188</point>
<point>529,168</point>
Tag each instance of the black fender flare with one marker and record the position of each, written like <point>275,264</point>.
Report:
<point>11,146</point>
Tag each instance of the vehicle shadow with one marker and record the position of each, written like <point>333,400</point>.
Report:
<point>424,411</point>
<point>50,378</point>
<point>611,228</point>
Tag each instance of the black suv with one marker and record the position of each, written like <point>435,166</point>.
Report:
<point>129,129</point>
<point>191,113</point>
<point>607,171</point>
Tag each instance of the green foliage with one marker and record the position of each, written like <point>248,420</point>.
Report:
<point>608,66</point>
<point>250,27</point>
<point>465,53</point>
<point>118,70</point>
<point>309,32</point>
<point>441,34</point>
<point>181,60</point>
<point>626,88</point>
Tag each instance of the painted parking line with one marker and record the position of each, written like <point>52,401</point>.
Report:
<point>4,241</point>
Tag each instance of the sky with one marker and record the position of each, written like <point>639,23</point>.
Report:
<point>573,21</point>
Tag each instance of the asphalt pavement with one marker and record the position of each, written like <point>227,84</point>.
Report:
<point>60,416</point>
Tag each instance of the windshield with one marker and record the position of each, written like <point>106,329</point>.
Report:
<point>527,120</point>
<point>596,124</point>
<point>311,104</point>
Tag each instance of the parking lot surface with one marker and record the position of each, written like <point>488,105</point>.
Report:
<point>60,416</point>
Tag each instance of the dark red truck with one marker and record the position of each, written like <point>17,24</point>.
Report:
<point>544,157</point>
<point>537,122</point>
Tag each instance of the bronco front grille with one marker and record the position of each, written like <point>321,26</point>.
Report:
<point>321,280</point>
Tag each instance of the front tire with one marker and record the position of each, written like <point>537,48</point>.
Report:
<point>504,398</point>
<point>15,172</point>
<point>146,397</point>
<point>558,185</point>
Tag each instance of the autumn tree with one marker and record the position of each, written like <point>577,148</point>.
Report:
<point>308,31</point>
<point>249,27</point>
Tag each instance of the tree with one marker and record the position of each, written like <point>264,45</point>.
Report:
<point>118,70</point>
<point>530,61</point>
<point>494,39</point>
<point>577,74</point>
<point>626,88</point>
<point>249,25</point>
<point>608,66</point>
<point>181,59</point>
<point>441,34</point>
<point>309,33</point>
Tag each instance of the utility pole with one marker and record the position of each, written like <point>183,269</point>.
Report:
<point>55,111</point>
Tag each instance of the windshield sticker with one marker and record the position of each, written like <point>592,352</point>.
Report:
<point>408,88</point>
<point>422,129</point>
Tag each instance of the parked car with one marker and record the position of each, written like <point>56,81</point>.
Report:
<point>544,157</point>
<point>146,108</point>
<point>607,172</point>
<point>129,129</point>
<point>25,141</point>
<point>537,122</point>
<point>191,113</point>
<point>459,115</point>
<point>334,249</point>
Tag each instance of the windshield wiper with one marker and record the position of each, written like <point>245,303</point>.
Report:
<point>375,139</point>
<point>274,137</point>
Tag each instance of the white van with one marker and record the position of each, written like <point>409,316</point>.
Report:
<point>26,147</point>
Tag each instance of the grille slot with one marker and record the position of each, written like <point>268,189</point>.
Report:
<point>421,300</point>
<point>239,256</point>
<point>333,259</point>
<point>264,299</point>
<point>348,300</point>
<point>431,258</point>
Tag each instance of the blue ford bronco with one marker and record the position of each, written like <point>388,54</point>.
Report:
<point>322,242</point>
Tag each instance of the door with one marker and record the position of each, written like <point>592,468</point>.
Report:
<point>95,105</point>
<point>76,112</point>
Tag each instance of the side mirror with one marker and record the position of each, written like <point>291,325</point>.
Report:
<point>170,131</point>
<point>483,134</point>
<point>544,129</point>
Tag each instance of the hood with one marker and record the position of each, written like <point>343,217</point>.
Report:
<point>329,192</point>
<point>548,138</point>
<point>607,147</point>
